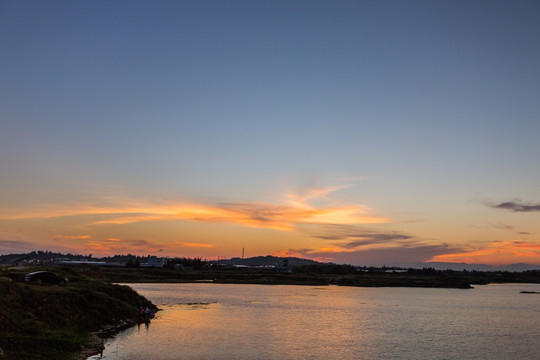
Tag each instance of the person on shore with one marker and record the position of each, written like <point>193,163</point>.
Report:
<point>147,314</point>
<point>142,315</point>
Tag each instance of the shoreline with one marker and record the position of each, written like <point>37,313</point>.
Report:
<point>97,339</point>
<point>95,346</point>
<point>319,276</point>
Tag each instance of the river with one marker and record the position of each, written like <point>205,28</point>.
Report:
<point>229,321</point>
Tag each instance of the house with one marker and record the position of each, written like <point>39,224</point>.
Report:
<point>154,261</point>
<point>283,266</point>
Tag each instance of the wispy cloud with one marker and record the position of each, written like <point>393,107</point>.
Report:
<point>501,226</point>
<point>114,245</point>
<point>367,238</point>
<point>351,236</point>
<point>302,197</point>
<point>393,255</point>
<point>496,253</point>
<point>120,246</point>
<point>297,209</point>
<point>72,237</point>
<point>361,245</point>
<point>196,245</point>
<point>262,215</point>
<point>516,206</point>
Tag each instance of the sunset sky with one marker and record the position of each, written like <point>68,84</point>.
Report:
<point>361,132</point>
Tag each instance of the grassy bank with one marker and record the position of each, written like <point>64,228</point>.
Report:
<point>53,322</point>
<point>312,275</point>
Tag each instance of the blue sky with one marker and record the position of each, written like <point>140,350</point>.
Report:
<point>422,113</point>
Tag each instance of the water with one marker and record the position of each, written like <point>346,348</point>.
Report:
<point>227,321</point>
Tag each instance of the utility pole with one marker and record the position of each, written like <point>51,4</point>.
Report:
<point>242,253</point>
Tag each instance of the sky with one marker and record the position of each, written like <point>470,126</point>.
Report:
<point>359,132</point>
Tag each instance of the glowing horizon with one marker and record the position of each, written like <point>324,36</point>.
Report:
<point>330,229</point>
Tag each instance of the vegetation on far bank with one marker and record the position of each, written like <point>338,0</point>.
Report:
<point>323,274</point>
<point>54,322</point>
<point>315,274</point>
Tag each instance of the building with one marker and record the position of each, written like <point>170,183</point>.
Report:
<point>154,261</point>
<point>283,266</point>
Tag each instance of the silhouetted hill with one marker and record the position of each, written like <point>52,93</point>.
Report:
<point>41,256</point>
<point>49,258</point>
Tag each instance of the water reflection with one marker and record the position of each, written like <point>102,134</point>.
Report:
<point>146,325</point>
<point>211,321</point>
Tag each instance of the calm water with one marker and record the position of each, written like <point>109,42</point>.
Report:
<point>218,321</point>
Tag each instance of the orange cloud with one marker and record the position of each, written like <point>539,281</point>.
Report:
<point>72,237</point>
<point>497,253</point>
<point>279,217</point>
<point>120,246</point>
<point>302,198</point>
<point>55,211</point>
<point>193,245</point>
<point>332,249</point>
<point>261,215</point>
<point>290,253</point>
<point>304,254</point>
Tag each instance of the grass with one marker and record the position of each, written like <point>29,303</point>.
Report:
<point>53,322</point>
